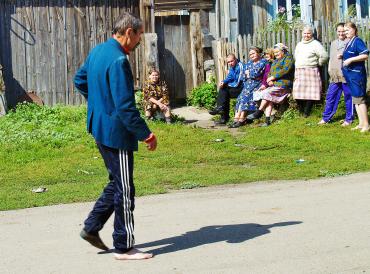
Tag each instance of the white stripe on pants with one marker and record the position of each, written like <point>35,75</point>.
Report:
<point>126,193</point>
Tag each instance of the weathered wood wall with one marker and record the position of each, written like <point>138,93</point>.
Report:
<point>44,42</point>
<point>329,9</point>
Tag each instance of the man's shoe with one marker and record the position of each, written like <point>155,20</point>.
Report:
<point>221,122</point>
<point>93,239</point>
<point>217,110</point>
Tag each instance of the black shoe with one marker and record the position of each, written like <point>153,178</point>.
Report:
<point>93,239</point>
<point>217,110</point>
<point>255,115</point>
<point>168,120</point>
<point>264,125</point>
<point>221,122</point>
<point>236,124</point>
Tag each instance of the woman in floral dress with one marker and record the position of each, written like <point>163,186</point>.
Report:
<point>254,70</point>
<point>156,97</point>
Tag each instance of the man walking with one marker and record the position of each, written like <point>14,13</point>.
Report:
<point>106,81</point>
<point>337,81</point>
<point>229,88</point>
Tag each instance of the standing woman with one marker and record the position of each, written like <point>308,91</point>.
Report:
<point>354,56</point>
<point>307,86</point>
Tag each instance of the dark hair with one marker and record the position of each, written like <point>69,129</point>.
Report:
<point>126,20</point>
<point>341,24</point>
<point>352,26</point>
<point>256,49</point>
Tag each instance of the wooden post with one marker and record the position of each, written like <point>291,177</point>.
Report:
<point>196,48</point>
<point>146,14</point>
<point>2,94</point>
<point>150,53</point>
<point>227,19</point>
<point>217,15</point>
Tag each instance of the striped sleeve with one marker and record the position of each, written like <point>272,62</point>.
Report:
<point>361,47</point>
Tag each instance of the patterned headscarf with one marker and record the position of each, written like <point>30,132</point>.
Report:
<point>281,47</point>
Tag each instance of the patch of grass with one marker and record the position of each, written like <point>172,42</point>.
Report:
<point>49,147</point>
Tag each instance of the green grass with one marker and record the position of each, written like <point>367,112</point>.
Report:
<point>49,147</point>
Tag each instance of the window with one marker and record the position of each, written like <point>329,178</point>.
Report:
<point>364,5</point>
<point>288,6</point>
<point>356,8</point>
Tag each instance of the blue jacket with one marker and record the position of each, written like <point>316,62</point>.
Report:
<point>235,76</point>
<point>106,81</point>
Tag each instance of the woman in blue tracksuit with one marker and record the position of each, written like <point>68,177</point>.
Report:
<point>354,56</point>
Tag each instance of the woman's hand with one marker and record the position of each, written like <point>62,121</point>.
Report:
<point>162,107</point>
<point>347,62</point>
<point>262,87</point>
<point>340,56</point>
<point>247,73</point>
<point>270,79</point>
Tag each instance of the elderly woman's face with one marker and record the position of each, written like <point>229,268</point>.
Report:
<point>307,35</point>
<point>278,53</point>
<point>253,55</point>
<point>154,77</point>
<point>350,32</point>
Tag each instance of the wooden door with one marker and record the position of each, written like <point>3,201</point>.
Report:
<point>175,63</point>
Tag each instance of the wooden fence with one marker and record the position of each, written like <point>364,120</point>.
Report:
<point>325,33</point>
<point>44,42</point>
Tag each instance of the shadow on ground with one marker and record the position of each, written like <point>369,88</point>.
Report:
<point>236,233</point>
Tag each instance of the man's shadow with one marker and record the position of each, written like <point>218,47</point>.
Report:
<point>236,233</point>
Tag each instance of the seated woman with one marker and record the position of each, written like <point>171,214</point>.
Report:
<point>280,82</point>
<point>270,57</point>
<point>253,71</point>
<point>156,97</point>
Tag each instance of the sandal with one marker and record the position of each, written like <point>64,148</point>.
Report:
<point>356,128</point>
<point>365,129</point>
<point>346,124</point>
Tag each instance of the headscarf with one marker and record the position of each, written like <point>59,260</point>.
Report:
<point>281,47</point>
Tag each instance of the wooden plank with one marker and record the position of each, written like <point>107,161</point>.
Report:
<point>196,49</point>
<point>226,7</point>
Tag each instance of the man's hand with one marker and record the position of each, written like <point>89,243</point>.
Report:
<point>151,142</point>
